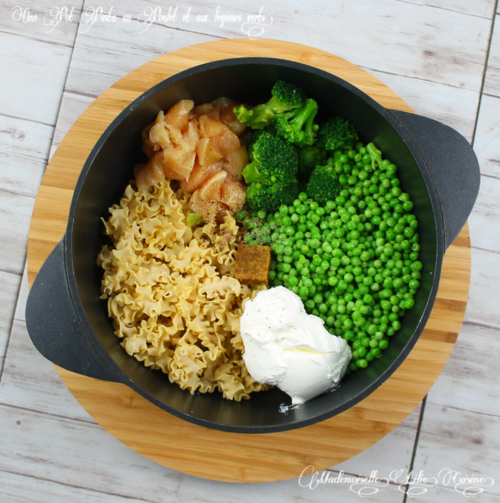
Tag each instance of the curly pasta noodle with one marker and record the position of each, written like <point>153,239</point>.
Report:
<point>171,295</point>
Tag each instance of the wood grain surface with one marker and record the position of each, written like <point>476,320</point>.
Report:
<point>213,454</point>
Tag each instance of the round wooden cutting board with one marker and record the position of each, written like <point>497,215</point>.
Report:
<point>213,454</point>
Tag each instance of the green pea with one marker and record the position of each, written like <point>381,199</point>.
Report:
<point>383,344</point>
<point>310,304</point>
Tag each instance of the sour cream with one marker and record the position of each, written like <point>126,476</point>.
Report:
<point>288,348</point>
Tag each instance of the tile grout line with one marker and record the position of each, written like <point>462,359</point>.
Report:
<point>7,271</point>
<point>10,330</point>
<point>74,486</point>
<point>58,44</point>
<point>479,324</point>
<point>25,119</point>
<point>14,193</point>
<point>485,71</point>
<point>485,250</point>
<point>442,8</point>
<point>46,161</point>
<point>66,78</point>
<point>415,446</point>
<point>49,414</point>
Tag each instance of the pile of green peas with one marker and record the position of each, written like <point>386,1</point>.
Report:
<point>353,261</point>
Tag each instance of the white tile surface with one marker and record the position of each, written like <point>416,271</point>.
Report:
<point>22,297</point>
<point>451,495</point>
<point>467,442</point>
<point>393,452</point>
<point>439,45</point>
<point>483,8</point>
<point>484,290</point>
<point>15,216</point>
<point>54,23</point>
<point>33,76</point>
<point>9,286</point>
<point>22,489</point>
<point>454,106</point>
<point>492,82</point>
<point>80,454</point>
<point>486,216</point>
<point>107,51</point>
<point>29,381</point>
<point>72,106</point>
<point>24,148</point>
<point>470,379</point>
<point>487,139</point>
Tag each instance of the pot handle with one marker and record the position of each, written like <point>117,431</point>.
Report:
<point>452,165</point>
<point>53,323</point>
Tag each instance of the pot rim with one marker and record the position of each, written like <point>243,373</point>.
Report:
<point>405,137</point>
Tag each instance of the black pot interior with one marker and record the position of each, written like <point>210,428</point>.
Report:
<point>111,169</point>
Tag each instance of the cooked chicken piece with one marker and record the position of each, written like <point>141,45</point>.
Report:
<point>223,102</point>
<point>215,113</point>
<point>227,117</point>
<point>207,152</point>
<point>210,127</point>
<point>178,163</point>
<point>178,114</point>
<point>147,175</point>
<point>220,135</point>
<point>211,188</point>
<point>233,194</point>
<point>227,143</point>
<point>204,109</point>
<point>209,210</point>
<point>199,175</point>
<point>236,161</point>
<point>159,135</point>
<point>147,144</point>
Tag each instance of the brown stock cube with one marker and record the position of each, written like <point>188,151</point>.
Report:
<point>252,264</point>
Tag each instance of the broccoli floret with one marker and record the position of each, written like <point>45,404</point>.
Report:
<point>254,136</point>
<point>256,119</point>
<point>323,185</point>
<point>336,133</point>
<point>297,126</point>
<point>285,96</point>
<point>375,154</point>
<point>269,198</point>
<point>310,156</point>
<point>273,160</point>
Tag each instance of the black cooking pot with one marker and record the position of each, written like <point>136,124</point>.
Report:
<point>68,323</point>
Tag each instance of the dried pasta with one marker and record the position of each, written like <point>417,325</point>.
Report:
<point>170,292</point>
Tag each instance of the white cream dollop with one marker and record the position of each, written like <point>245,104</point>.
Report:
<point>288,348</point>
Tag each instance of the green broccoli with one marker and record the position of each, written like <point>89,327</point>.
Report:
<point>254,136</point>
<point>269,198</point>
<point>297,126</point>
<point>285,96</point>
<point>273,159</point>
<point>323,185</point>
<point>310,156</point>
<point>336,133</point>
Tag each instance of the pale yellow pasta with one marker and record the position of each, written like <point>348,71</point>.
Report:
<point>171,294</point>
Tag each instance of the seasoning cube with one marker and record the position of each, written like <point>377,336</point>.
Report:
<point>252,264</point>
